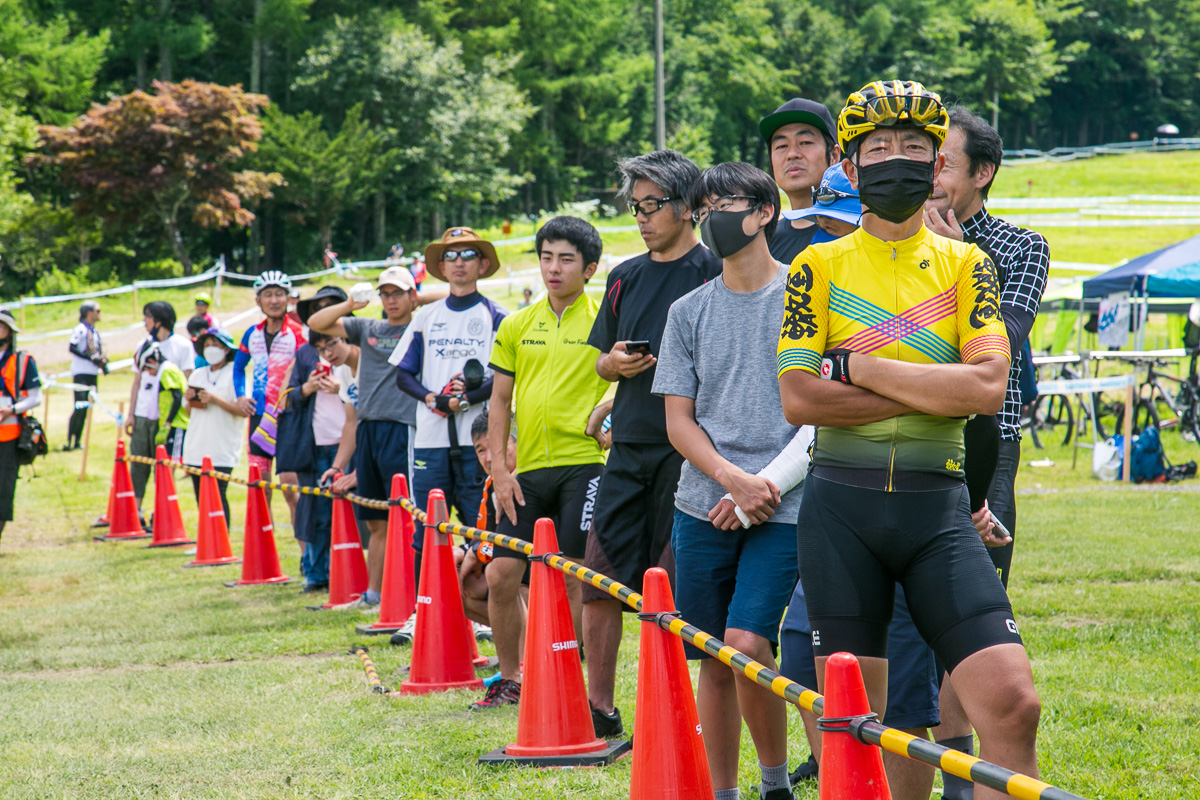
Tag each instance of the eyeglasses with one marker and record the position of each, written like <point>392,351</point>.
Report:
<point>395,295</point>
<point>888,110</point>
<point>722,204</point>
<point>827,195</point>
<point>649,205</point>
<point>465,255</point>
<point>328,346</point>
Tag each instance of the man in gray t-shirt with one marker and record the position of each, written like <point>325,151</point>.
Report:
<point>717,375</point>
<point>385,414</point>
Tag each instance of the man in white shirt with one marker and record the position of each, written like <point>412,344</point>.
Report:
<point>87,362</point>
<point>444,353</point>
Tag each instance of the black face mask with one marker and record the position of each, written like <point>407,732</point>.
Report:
<point>722,232</point>
<point>895,190</point>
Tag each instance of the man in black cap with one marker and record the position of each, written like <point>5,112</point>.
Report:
<point>800,140</point>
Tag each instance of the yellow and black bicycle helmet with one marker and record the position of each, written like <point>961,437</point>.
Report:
<point>891,104</point>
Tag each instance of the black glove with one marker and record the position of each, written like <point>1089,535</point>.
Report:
<point>442,402</point>
<point>835,366</point>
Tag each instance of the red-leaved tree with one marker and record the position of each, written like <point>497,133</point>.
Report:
<point>164,158</point>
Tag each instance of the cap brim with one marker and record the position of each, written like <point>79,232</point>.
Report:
<point>433,257</point>
<point>773,122</point>
<point>10,322</point>
<point>839,211</point>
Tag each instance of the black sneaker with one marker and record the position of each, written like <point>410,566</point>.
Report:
<point>608,726</point>
<point>779,794</point>
<point>501,693</point>
<point>309,588</point>
<point>805,772</point>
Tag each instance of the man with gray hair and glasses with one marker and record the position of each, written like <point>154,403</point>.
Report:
<point>634,507</point>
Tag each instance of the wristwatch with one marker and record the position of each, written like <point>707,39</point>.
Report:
<point>463,403</point>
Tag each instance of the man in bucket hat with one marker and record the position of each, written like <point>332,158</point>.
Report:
<point>385,416</point>
<point>441,364</point>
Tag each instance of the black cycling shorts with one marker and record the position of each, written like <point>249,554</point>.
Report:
<point>566,495</point>
<point>855,543</point>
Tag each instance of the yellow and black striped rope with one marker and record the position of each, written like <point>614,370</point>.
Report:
<point>369,668</point>
<point>1016,785</point>
<point>381,505</point>
<point>895,741</point>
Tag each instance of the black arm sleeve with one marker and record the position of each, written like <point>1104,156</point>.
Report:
<point>482,393</point>
<point>408,383</point>
<point>1018,322</point>
<point>78,349</point>
<point>176,404</point>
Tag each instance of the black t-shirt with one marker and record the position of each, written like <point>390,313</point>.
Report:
<point>789,241</point>
<point>637,297</point>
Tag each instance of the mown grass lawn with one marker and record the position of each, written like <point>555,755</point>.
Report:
<point>125,675</point>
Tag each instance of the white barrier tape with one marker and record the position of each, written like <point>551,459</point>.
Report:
<point>212,272</point>
<point>1087,385</point>
<point>346,546</point>
<point>63,332</point>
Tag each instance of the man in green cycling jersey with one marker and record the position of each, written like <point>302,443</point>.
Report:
<point>891,337</point>
<point>544,370</point>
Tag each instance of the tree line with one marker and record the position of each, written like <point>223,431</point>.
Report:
<point>380,121</point>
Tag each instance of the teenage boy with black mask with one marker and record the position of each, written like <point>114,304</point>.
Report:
<point>716,374</point>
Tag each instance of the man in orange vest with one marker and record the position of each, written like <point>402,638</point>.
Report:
<point>20,390</point>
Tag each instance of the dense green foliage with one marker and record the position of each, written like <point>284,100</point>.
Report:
<point>390,120</point>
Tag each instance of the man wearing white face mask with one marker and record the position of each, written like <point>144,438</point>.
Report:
<point>717,378</point>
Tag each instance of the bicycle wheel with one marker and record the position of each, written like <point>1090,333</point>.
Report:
<point>1050,411</point>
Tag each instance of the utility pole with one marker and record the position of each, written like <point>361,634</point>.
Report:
<point>660,100</point>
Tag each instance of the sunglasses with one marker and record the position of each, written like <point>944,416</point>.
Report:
<point>890,110</point>
<point>648,206</point>
<point>465,255</point>
<point>827,195</point>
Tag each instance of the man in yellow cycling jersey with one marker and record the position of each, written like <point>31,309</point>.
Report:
<point>891,337</point>
<point>543,359</point>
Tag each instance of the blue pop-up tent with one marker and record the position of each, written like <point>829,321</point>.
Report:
<point>1138,275</point>
<point>1179,282</point>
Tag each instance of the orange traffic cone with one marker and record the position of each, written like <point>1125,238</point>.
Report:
<point>849,768</point>
<point>441,657</point>
<point>168,521</point>
<point>668,753</point>
<point>554,726</point>
<point>212,535</point>
<point>347,564</point>
<point>124,522</point>
<point>398,595</point>
<point>260,561</point>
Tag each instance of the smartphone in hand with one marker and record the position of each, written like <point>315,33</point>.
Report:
<point>640,347</point>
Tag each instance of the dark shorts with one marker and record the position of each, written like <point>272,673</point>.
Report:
<point>566,495</point>
<point>732,579</point>
<point>381,451</point>
<point>855,543</point>
<point>912,671</point>
<point>635,510</point>
<point>1002,500</point>
<point>595,559</point>
<point>461,480</point>
<point>8,479</point>
<point>174,443</point>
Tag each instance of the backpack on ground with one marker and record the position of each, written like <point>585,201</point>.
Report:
<point>1147,461</point>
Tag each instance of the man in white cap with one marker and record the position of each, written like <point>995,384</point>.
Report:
<point>385,416</point>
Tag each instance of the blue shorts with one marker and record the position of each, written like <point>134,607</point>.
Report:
<point>732,579</point>
<point>380,451</point>
<point>461,480</point>
<point>912,672</point>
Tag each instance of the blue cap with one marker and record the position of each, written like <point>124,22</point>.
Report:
<point>845,205</point>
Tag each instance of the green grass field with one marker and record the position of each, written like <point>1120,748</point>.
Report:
<point>124,675</point>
